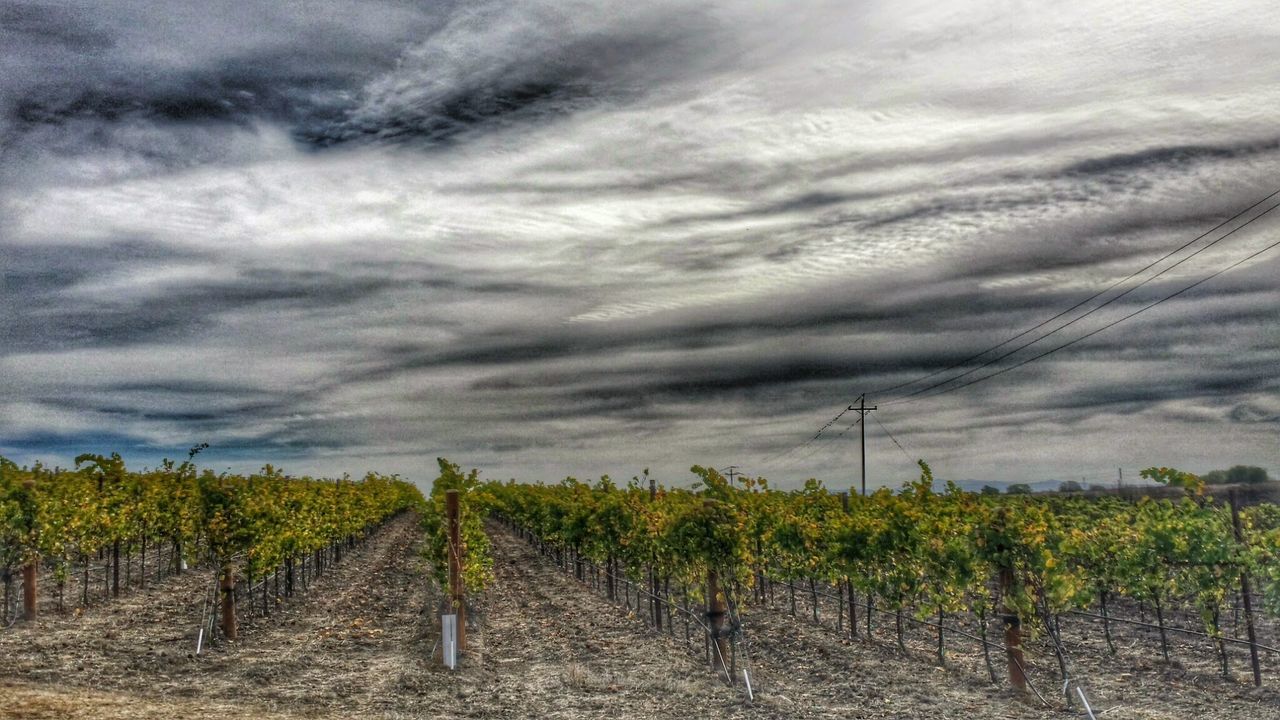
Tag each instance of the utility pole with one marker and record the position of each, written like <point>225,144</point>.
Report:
<point>862,413</point>
<point>731,472</point>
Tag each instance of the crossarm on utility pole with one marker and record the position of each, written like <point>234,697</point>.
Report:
<point>862,421</point>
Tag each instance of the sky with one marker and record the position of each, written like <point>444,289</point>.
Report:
<point>546,238</point>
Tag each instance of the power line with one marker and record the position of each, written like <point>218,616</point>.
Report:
<point>894,439</point>
<point>1080,304</point>
<point>1080,317</point>
<point>851,426</point>
<point>863,410</point>
<point>778,456</point>
<point>911,397</point>
<point>816,448</point>
<point>1090,334</point>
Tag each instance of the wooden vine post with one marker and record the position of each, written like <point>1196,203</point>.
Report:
<point>115,569</point>
<point>848,582</point>
<point>655,604</point>
<point>30,569</point>
<point>715,618</point>
<point>29,572</point>
<point>1008,605</point>
<point>456,593</point>
<point>1012,632</point>
<point>1245,593</point>
<point>227,584</point>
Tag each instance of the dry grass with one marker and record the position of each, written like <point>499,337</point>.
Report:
<point>23,701</point>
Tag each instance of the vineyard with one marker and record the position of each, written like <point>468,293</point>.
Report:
<point>80,527</point>
<point>737,599</point>
<point>953,562</point>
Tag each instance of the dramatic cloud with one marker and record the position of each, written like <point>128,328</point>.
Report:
<point>547,238</point>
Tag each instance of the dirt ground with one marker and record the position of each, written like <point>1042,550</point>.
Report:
<point>543,646</point>
<point>1134,683</point>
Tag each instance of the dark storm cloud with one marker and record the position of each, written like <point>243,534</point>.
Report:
<point>36,272</point>
<point>802,203</point>
<point>580,74</point>
<point>515,349</point>
<point>1164,158</point>
<point>1104,399</point>
<point>499,65</point>
<point>1249,413</point>
<point>69,445</point>
<point>181,388</point>
<point>437,276</point>
<point>234,94</point>
<point>52,25</point>
<point>79,74</point>
<point>54,314</point>
<point>214,52</point>
<point>166,403</point>
<point>934,327</point>
<point>34,277</point>
<point>386,72</point>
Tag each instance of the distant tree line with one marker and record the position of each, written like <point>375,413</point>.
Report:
<point>1237,475</point>
<point>1014,489</point>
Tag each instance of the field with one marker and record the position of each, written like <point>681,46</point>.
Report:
<point>358,645</point>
